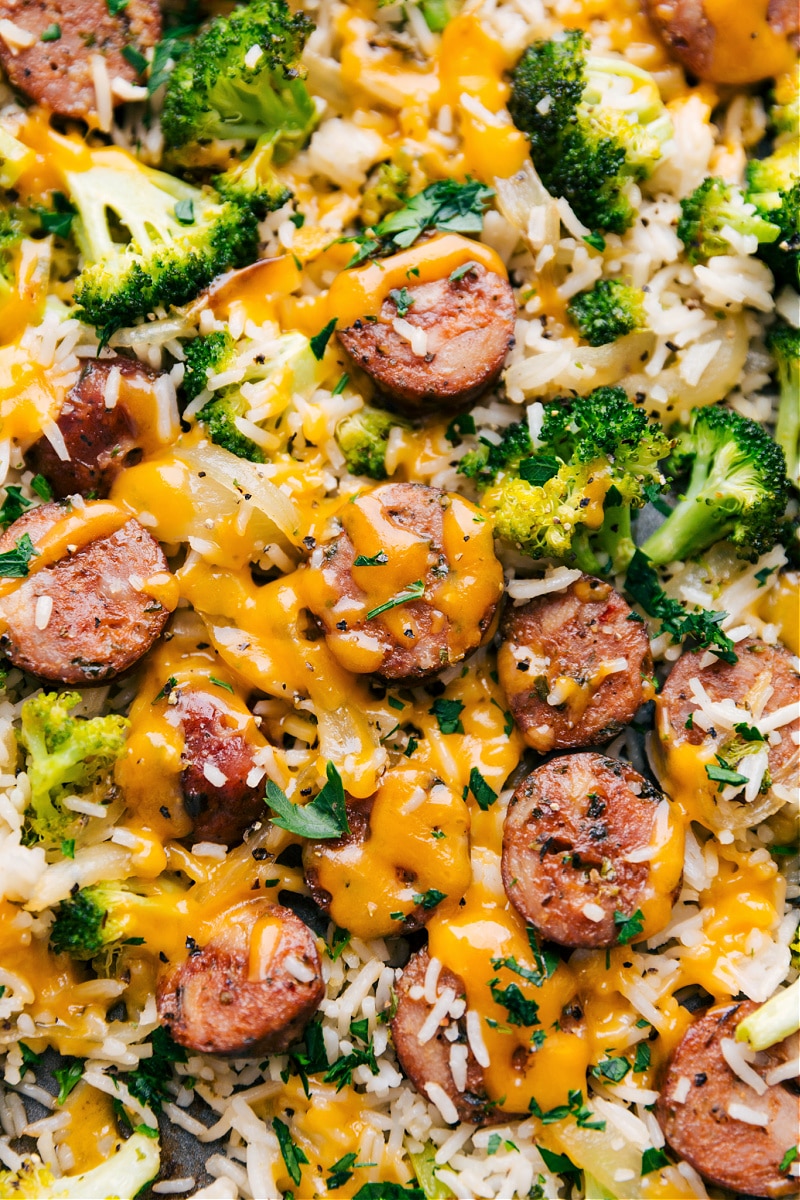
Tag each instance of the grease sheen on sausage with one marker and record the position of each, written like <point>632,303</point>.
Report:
<point>573,665</point>
<point>59,74</point>
<point>102,614</point>
<point>467,326</point>
<point>100,441</point>
<point>252,989</point>
<point>587,844</point>
<point>698,1123</point>
<point>731,44</point>
<point>426,559</point>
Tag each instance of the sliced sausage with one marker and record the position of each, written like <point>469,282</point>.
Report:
<point>467,329</point>
<point>432,573</point>
<point>100,441</point>
<point>714,51</point>
<point>763,681</point>
<point>699,1092</point>
<point>572,665</point>
<point>252,989</point>
<point>221,782</point>
<point>570,838</point>
<point>58,73</point>
<point>428,1062</point>
<point>91,614</point>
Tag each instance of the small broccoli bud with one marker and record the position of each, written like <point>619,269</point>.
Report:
<point>242,78</point>
<point>783,343</point>
<point>363,438</point>
<point>607,311</point>
<point>65,755</point>
<point>737,489</point>
<point>204,355</point>
<point>585,146</point>
<point>386,192</point>
<point>712,209</point>
<point>485,462</point>
<point>219,416</point>
<point>783,255</point>
<point>768,177</point>
<point>253,184</point>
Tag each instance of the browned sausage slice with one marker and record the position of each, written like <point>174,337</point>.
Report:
<point>572,665</point>
<point>744,48</point>
<point>467,328</point>
<point>573,840</point>
<point>223,790</point>
<point>763,681</point>
<point>251,989</point>
<point>58,73</point>
<point>100,441</point>
<point>92,613</point>
<point>411,584</point>
<point>428,1062</point>
<point>703,1103</point>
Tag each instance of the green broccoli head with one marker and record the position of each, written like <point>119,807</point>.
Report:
<point>205,355</point>
<point>126,1170</point>
<point>386,192</point>
<point>597,458</point>
<point>783,255</point>
<point>242,78</point>
<point>768,177</point>
<point>180,238</point>
<point>705,214</point>
<point>596,125</point>
<point>785,111</point>
<point>607,311</point>
<point>219,416</point>
<point>784,345</point>
<point>253,184</point>
<point>94,919</point>
<point>737,489</point>
<point>65,755</point>
<point>363,438</point>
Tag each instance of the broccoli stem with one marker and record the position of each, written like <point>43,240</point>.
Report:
<point>787,428</point>
<point>779,1018</point>
<point>696,522</point>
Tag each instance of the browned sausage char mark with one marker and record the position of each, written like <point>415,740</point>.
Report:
<point>252,989</point>
<point>102,619</point>
<point>553,661</point>
<point>58,74</point>
<point>694,1106</point>
<point>468,324</point>
<point>435,579</point>
<point>714,52</point>
<point>569,831</point>
<point>220,745</point>
<point>763,679</point>
<point>429,1062</point>
<point>100,441</point>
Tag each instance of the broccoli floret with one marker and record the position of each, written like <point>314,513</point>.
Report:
<point>783,255</point>
<point>204,355</point>
<point>784,345</point>
<point>363,437</point>
<point>785,112</point>
<point>128,1169</point>
<point>242,78</point>
<point>773,186</point>
<point>219,417</point>
<point>97,918</point>
<point>768,177</point>
<point>65,755</point>
<point>597,458</point>
<point>607,311</point>
<point>386,192</point>
<point>596,126</point>
<point>253,184</point>
<point>737,489</point>
<point>485,462</point>
<point>705,214</point>
<point>14,159</point>
<point>178,238</point>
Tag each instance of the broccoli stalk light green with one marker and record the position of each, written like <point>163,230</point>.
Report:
<point>784,344</point>
<point>595,457</point>
<point>779,1018</point>
<point>101,917</point>
<point>596,126</point>
<point>608,311</point>
<point>179,238</point>
<point>363,438</point>
<point>242,78</point>
<point>737,489</point>
<point>712,207</point>
<point>65,755</point>
<point>124,1173</point>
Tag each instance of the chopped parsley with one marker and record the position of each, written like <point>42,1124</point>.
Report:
<point>653,1160</point>
<point>220,683</point>
<point>293,1155</point>
<point>403,300</point>
<point>458,274</point>
<point>166,690</point>
<point>642,1060</point>
<point>414,591</point>
<point>642,585</point>
<point>630,927</point>
<point>429,899</point>
<point>521,1011</point>
<point>68,1078</point>
<point>613,1069</point>
<point>376,560</point>
<point>484,795</point>
<point>42,487</point>
<point>14,505</point>
<point>448,714</point>
<point>320,340</point>
<point>724,775</point>
<point>324,817</point>
<point>52,33</point>
<point>184,212</point>
<point>14,563</point>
